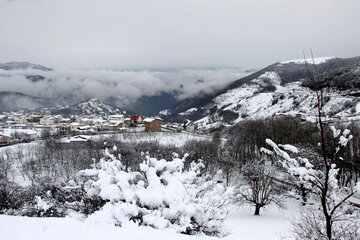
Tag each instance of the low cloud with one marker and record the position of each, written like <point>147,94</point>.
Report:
<point>121,87</point>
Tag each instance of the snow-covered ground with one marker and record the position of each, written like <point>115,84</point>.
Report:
<point>274,223</point>
<point>163,138</point>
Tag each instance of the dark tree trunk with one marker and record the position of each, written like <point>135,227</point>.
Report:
<point>328,227</point>
<point>257,210</point>
<point>303,194</point>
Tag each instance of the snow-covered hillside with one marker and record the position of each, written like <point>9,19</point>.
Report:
<point>92,107</point>
<point>253,101</point>
<point>95,106</point>
<point>281,88</point>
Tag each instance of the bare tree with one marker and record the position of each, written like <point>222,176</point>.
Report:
<point>6,167</point>
<point>322,175</point>
<point>258,185</point>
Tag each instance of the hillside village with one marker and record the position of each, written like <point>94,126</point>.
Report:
<point>22,126</point>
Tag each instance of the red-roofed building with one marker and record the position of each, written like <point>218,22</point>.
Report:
<point>137,119</point>
<point>5,140</point>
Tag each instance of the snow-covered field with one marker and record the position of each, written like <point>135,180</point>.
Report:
<point>163,138</point>
<point>274,223</point>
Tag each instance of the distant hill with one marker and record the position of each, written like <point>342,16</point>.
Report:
<point>92,107</point>
<point>10,101</point>
<point>278,88</point>
<point>22,66</point>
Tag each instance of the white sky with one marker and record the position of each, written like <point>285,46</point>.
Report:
<point>149,34</point>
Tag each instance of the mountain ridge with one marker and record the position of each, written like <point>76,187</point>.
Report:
<point>341,76</point>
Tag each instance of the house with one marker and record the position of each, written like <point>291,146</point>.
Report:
<point>80,138</point>
<point>65,120</point>
<point>105,126</point>
<point>57,119</point>
<point>47,121</point>
<point>74,126</point>
<point>20,120</point>
<point>76,139</point>
<point>116,125</point>
<point>116,122</point>
<point>63,129</point>
<point>21,134</point>
<point>279,115</point>
<point>5,140</point>
<point>101,124</point>
<point>35,118</point>
<point>137,119</point>
<point>84,128</point>
<point>127,122</point>
<point>301,117</point>
<point>118,117</point>
<point>32,134</point>
<point>3,118</point>
<point>152,124</point>
<point>190,126</point>
<point>85,121</point>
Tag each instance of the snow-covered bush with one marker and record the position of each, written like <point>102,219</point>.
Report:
<point>161,194</point>
<point>310,224</point>
<point>31,201</point>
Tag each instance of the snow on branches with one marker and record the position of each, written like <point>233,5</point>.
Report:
<point>161,195</point>
<point>322,183</point>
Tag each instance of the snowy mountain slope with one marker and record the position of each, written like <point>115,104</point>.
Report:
<point>280,88</point>
<point>90,108</point>
<point>23,65</point>
<point>251,102</point>
<point>12,100</point>
<point>309,60</point>
<point>93,107</point>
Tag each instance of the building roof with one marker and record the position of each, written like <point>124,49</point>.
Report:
<point>117,116</point>
<point>78,138</point>
<point>115,123</point>
<point>136,117</point>
<point>189,123</point>
<point>149,119</point>
<point>1,135</point>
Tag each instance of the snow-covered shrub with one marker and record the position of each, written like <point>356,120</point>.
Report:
<point>161,195</point>
<point>9,197</point>
<point>309,224</point>
<point>45,200</point>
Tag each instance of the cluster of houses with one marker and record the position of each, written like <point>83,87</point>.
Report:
<point>15,126</point>
<point>21,126</point>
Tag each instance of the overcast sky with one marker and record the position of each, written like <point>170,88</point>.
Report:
<point>161,34</point>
